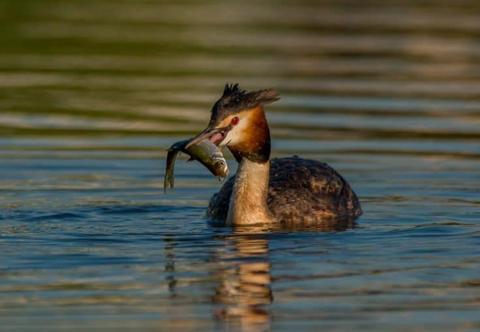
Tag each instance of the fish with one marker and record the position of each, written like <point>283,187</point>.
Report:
<point>207,153</point>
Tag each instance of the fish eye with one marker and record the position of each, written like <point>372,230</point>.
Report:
<point>234,121</point>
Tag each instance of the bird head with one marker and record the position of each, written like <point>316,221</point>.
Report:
<point>238,121</point>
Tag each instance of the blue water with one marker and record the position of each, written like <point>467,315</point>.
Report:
<point>96,242</point>
<point>93,92</point>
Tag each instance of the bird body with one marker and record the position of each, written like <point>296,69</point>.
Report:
<point>300,191</point>
<point>286,191</point>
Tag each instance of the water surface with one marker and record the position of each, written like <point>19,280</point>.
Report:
<point>93,92</point>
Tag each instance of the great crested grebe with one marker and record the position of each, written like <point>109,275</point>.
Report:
<point>282,190</point>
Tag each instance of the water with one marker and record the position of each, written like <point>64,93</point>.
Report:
<point>93,92</point>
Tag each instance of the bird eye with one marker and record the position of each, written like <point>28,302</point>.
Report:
<point>235,121</point>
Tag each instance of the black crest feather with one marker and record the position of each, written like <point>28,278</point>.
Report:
<point>235,100</point>
<point>232,89</point>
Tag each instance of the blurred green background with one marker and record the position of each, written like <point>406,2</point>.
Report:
<point>368,70</point>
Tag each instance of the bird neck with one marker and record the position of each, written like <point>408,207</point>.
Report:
<point>248,202</point>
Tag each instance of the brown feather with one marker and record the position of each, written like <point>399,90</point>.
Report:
<point>255,144</point>
<point>301,192</point>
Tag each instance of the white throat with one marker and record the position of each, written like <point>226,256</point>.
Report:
<point>248,202</point>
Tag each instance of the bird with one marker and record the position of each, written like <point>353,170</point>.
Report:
<point>288,191</point>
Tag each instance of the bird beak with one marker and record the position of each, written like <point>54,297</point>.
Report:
<point>206,134</point>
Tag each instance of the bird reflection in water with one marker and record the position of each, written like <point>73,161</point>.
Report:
<point>242,273</point>
<point>244,291</point>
